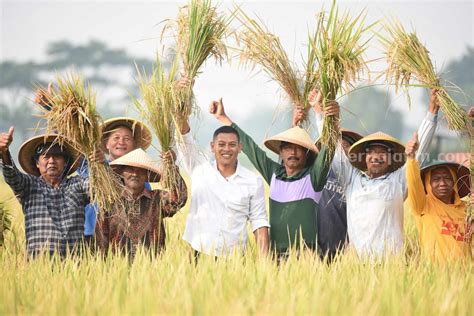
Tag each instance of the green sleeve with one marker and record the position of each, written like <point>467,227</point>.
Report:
<point>256,155</point>
<point>320,169</point>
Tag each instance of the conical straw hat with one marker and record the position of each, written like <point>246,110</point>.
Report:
<point>28,148</point>
<point>141,133</point>
<point>462,172</point>
<point>295,135</point>
<point>357,150</point>
<point>140,159</point>
<point>351,134</point>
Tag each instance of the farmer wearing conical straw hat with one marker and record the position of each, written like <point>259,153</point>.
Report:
<point>434,197</point>
<point>332,216</point>
<point>52,203</point>
<point>373,175</point>
<point>120,135</point>
<point>295,184</point>
<point>139,219</point>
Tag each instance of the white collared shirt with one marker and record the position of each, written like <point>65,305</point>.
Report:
<point>220,207</point>
<point>375,205</point>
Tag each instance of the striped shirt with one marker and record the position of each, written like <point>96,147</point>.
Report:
<point>54,217</point>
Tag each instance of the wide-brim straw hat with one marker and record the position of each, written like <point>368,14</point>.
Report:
<point>141,133</point>
<point>462,172</point>
<point>351,134</point>
<point>295,135</point>
<point>28,150</point>
<point>357,150</point>
<point>138,158</point>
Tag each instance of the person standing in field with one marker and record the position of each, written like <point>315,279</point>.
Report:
<point>53,204</point>
<point>373,175</point>
<point>295,184</point>
<point>120,135</point>
<point>434,197</point>
<point>332,216</point>
<point>138,219</point>
<point>225,196</point>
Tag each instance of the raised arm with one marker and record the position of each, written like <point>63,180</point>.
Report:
<point>171,202</point>
<point>18,181</point>
<point>256,155</point>
<point>427,128</point>
<point>416,192</point>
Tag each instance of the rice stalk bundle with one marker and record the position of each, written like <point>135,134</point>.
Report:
<point>259,46</point>
<point>72,114</point>
<point>5,222</point>
<point>340,56</point>
<point>409,59</point>
<point>200,34</point>
<point>159,96</point>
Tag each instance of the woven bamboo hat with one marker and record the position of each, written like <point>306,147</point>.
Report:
<point>141,133</point>
<point>462,173</point>
<point>140,159</point>
<point>381,139</point>
<point>295,135</point>
<point>351,136</point>
<point>31,147</point>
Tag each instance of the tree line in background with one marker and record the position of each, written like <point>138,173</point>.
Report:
<point>108,69</point>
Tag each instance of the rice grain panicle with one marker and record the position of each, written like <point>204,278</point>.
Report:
<point>72,114</point>
<point>409,59</point>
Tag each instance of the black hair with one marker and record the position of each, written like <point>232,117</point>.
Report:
<point>45,148</point>
<point>225,130</point>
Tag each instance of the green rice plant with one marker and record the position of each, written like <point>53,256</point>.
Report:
<point>200,32</point>
<point>159,96</point>
<point>409,59</point>
<point>340,54</point>
<point>259,46</point>
<point>72,114</point>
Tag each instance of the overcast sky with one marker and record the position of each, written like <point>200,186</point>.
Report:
<point>446,27</point>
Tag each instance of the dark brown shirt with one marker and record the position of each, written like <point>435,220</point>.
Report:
<point>139,221</point>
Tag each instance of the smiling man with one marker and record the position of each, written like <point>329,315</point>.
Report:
<point>53,204</point>
<point>295,183</point>
<point>375,186</point>
<point>224,197</point>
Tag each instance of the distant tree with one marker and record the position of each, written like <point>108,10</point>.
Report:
<point>107,69</point>
<point>368,110</point>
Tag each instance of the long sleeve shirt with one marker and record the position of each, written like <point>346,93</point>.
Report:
<point>441,226</point>
<point>375,205</point>
<point>293,199</point>
<point>220,207</point>
<point>139,221</point>
<point>54,217</point>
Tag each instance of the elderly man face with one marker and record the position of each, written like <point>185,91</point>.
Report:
<point>120,142</point>
<point>293,156</point>
<point>134,178</point>
<point>51,165</point>
<point>442,184</point>
<point>377,159</point>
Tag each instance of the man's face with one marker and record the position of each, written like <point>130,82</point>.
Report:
<point>134,178</point>
<point>51,165</point>
<point>442,183</point>
<point>293,156</point>
<point>120,142</point>
<point>226,148</point>
<point>377,159</point>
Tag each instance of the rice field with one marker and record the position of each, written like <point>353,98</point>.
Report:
<point>241,285</point>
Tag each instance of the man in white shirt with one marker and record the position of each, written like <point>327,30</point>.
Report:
<point>224,196</point>
<point>375,185</point>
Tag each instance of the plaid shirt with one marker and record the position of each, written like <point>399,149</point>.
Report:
<point>54,217</point>
<point>140,222</point>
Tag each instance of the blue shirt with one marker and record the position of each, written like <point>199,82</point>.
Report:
<point>90,216</point>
